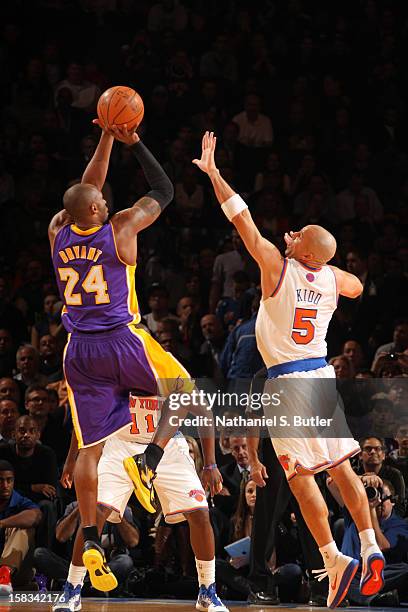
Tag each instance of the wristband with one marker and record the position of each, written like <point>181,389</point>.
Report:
<point>212,466</point>
<point>233,206</point>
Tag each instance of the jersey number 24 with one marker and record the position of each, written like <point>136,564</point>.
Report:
<point>94,282</point>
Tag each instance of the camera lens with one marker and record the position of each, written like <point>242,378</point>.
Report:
<point>372,493</point>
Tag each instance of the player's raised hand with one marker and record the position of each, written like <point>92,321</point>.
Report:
<point>289,238</point>
<point>119,132</point>
<point>212,480</point>
<point>258,473</point>
<point>207,163</point>
<point>123,134</point>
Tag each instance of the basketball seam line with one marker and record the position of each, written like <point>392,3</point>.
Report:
<point>122,109</point>
<point>107,111</point>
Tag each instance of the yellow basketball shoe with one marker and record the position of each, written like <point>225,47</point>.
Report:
<point>100,574</point>
<point>142,477</point>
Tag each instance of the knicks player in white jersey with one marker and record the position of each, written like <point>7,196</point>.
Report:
<point>178,488</point>
<point>299,296</point>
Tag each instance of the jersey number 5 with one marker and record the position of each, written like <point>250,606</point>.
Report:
<point>303,329</point>
<point>94,282</point>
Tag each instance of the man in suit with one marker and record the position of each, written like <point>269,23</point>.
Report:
<point>272,501</point>
<point>232,475</point>
<point>233,472</point>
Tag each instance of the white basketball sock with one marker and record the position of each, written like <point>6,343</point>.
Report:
<point>367,539</point>
<point>76,575</point>
<point>329,553</point>
<point>205,572</point>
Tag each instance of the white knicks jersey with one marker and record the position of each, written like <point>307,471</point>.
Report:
<point>292,323</point>
<point>145,413</point>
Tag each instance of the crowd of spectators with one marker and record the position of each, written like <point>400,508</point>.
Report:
<point>308,100</point>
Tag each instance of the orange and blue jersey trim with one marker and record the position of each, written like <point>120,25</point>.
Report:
<point>200,506</point>
<point>105,505</point>
<point>310,267</point>
<point>327,465</point>
<point>298,365</point>
<point>281,278</point>
<point>336,286</point>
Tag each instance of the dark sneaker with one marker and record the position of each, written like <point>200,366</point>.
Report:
<point>100,574</point>
<point>41,581</point>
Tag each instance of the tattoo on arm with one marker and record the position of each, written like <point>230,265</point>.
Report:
<point>142,214</point>
<point>145,211</point>
<point>148,206</point>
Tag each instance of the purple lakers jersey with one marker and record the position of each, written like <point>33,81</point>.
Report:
<point>96,286</point>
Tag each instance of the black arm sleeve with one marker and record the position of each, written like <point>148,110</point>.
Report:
<point>161,187</point>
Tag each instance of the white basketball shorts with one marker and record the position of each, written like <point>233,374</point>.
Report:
<point>310,455</point>
<point>177,484</point>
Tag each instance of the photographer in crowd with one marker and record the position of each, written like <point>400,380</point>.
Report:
<point>399,456</point>
<point>391,533</point>
<point>372,463</point>
<point>399,342</point>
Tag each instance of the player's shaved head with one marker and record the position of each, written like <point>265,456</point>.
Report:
<point>319,242</point>
<point>86,205</point>
<point>313,245</point>
<point>79,198</point>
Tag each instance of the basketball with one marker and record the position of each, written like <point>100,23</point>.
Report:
<point>119,105</point>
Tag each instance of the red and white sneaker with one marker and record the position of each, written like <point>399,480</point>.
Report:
<point>372,573</point>
<point>340,576</point>
<point>5,580</point>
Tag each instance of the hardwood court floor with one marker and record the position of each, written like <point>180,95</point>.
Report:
<point>152,605</point>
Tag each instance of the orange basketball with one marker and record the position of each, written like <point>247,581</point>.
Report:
<point>119,105</point>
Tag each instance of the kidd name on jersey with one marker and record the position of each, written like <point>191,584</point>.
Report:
<point>308,296</point>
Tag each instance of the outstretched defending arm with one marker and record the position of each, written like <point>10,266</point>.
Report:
<point>264,252</point>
